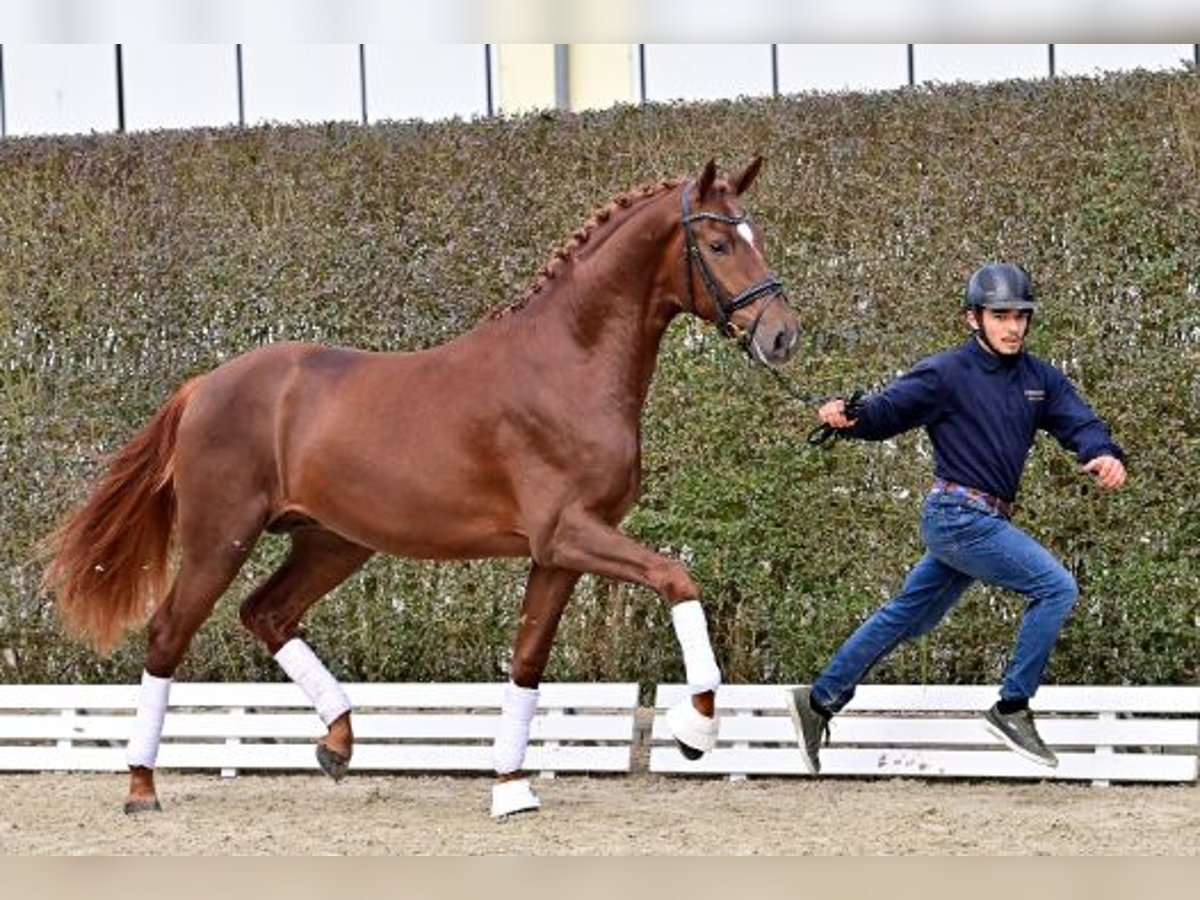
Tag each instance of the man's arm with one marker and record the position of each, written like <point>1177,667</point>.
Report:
<point>914,399</point>
<point>1078,428</point>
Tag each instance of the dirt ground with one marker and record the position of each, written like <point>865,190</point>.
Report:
<point>640,814</point>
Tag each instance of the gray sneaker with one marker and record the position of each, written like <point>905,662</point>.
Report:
<point>810,726</point>
<point>1017,731</point>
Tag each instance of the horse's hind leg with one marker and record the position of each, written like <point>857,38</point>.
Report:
<point>202,578</point>
<point>318,562</point>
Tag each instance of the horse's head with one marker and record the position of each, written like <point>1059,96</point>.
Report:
<point>727,279</point>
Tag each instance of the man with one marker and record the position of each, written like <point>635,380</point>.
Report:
<point>980,404</point>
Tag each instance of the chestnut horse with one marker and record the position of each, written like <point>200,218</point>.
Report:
<point>519,438</point>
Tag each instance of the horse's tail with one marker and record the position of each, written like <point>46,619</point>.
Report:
<point>109,559</point>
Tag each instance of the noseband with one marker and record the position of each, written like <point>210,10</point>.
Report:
<point>726,305</point>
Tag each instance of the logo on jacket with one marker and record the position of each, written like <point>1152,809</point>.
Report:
<point>1033,395</point>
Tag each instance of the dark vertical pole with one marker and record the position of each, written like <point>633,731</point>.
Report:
<point>642,72</point>
<point>120,91</point>
<point>362,80</point>
<point>1196,55</point>
<point>1053,74</point>
<point>3,119</point>
<point>912,66</point>
<point>562,77</point>
<point>487,79</point>
<point>774,70</point>
<point>241,88</point>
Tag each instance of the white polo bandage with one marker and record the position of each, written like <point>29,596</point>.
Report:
<point>699,663</point>
<point>302,666</point>
<point>512,737</point>
<point>142,749</point>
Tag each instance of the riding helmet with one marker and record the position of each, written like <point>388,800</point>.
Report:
<point>1000,286</point>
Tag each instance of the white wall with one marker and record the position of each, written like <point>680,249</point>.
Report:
<point>1091,59</point>
<point>838,67</point>
<point>59,88</point>
<point>179,85</point>
<point>979,62</point>
<point>72,88</point>
<point>301,83</point>
<point>706,71</point>
<point>426,81</point>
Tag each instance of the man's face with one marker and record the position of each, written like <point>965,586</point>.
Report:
<point>1004,328</point>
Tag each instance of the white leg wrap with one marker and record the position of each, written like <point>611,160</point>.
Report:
<point>302,666</point>
<point>698,660</point>
<point>516,713</point>
<point>142,749</point>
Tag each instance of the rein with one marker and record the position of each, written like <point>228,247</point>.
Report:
<point>726,305</point>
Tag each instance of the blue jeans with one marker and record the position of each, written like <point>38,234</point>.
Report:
<point>966,541</point>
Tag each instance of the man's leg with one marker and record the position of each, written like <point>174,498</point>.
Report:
<point>1008,557</point>
<point>929,591</point>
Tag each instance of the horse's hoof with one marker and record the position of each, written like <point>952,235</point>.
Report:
<point>694,734</point>
<point>132,807</point>
<point>511,797</point>
<point>332,763</point>
<point>691,753</point>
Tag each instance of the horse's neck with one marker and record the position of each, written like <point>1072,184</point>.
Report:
<point>609,301</point>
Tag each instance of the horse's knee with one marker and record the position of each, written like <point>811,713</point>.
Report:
<point>251,617</point>
<point>527,668</point>
<point>673,581</point>
<point>264,623</point>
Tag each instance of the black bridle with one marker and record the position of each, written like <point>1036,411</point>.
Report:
<point>725,305</point>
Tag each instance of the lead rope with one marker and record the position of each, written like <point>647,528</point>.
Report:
<point>823,433</point>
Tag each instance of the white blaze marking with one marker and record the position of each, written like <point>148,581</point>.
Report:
<point>746,233</point>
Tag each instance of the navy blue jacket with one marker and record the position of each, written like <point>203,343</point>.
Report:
<point>981,412</point>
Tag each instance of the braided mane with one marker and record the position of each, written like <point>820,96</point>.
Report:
<point>560,257</point>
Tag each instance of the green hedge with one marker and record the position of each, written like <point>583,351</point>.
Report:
<point>128,263</point>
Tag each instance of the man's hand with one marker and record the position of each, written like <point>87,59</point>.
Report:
<point>1108,471</point>
<point>833,414</point>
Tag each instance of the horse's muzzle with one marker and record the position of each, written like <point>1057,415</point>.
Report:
<point>777,335</point>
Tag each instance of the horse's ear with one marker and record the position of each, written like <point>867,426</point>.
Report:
<point>742,183</point>
<point>707,177</point>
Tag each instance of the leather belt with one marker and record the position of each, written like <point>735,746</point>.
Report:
<point>1006,509</point>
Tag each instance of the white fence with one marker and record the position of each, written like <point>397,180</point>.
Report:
<point>1100,733</point>
<point>231,727</point>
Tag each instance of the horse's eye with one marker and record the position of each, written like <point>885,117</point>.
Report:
<point>719,247</point>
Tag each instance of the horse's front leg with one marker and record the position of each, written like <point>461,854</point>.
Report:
<point>546,593</point>
<point>581,542</point>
